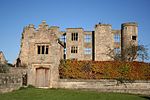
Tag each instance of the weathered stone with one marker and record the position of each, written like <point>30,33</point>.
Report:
<point>41,49</point>
<point>142,87</point>
<point>2,58</point>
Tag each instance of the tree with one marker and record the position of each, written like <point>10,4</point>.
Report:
<point>143,53</point>
<point>133,52</point>
<point>130,53</point>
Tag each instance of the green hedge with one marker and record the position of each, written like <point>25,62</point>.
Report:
<point>104,70</point>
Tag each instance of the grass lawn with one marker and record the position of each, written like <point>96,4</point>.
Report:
<point>62,94</point>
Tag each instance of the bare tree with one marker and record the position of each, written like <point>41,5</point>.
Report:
<point>130,53</point>
<point>133,52</point>
<point>112,54</point>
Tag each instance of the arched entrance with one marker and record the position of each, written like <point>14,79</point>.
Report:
<point>42,77</point>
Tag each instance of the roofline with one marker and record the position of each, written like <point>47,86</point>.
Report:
<point>75,28</point>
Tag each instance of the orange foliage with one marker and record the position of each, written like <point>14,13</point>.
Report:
<point>104,70</point>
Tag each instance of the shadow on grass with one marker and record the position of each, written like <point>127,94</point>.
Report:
<point>146,97</point>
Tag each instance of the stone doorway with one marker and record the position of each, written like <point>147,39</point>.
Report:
<point>42,77</point>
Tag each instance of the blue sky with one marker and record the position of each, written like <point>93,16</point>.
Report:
<point>15,14</point>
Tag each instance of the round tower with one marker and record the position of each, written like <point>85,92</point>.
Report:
<point>129,35</point>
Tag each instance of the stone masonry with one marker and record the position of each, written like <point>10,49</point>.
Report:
<point>2,58</point>
<point>41,53</point>
<point>44,47</point>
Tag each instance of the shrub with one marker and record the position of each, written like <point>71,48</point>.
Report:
<point>104,70</point>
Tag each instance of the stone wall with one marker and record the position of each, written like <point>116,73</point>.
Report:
<point>35,43</point>
<point>79,44</point>
<point>136,87</point>
<point>10,82</point>
<point>2,58</point>
<point>104,41</point>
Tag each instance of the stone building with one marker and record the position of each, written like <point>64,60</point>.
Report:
<point>2,58</point>
<point>95,45</point>
<point>44,47</point>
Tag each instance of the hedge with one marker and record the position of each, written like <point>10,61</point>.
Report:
<point>73,69</point>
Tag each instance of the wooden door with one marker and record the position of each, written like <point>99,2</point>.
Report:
<point>42,77</point>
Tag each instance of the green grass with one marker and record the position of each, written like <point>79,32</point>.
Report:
<point>62,94</point>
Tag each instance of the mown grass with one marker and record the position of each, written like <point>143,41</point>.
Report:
<point>62,94</point>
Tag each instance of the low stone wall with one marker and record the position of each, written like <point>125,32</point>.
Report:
<point>10,82</point>
<point>136,87</point>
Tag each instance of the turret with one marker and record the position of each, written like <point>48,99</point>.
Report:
<point>129,35</point>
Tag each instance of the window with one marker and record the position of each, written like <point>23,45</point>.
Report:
<point>74,49</point>
<point>47,49</point>
<point>117,37</point>
<point>74,36</point>
<point>62,38</point>
<point>87,50</point>
<point>64,50</point>
<point>42,49</point>
<point>39,47</point>
<point>133,37</point>
<point>117,50</point>
<point>87,38</point>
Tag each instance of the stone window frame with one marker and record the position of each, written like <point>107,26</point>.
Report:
<point>62,38</point>
<point>134,37</point>
<point>42,49</point>
<point>74,49</point>
<point>117,50</point>
<point>117,37</point>
<point>87,38</point>
<point>87,51</point>
<point>74,36</point>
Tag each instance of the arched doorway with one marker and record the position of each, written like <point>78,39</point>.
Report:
<point>42,77</point>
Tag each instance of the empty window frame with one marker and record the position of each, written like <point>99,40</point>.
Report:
<point>74,36</point>
<point>42,49</point>
<point>87,38</point>
<point>74,49</point>
<point>117,50</point>
<point>65,50</point>
<point>117,37</point>
<point>133,37</point>
<point>38,49</point>
<point>47,47</point>
<point>87,50</point>
<point>62,38</point>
